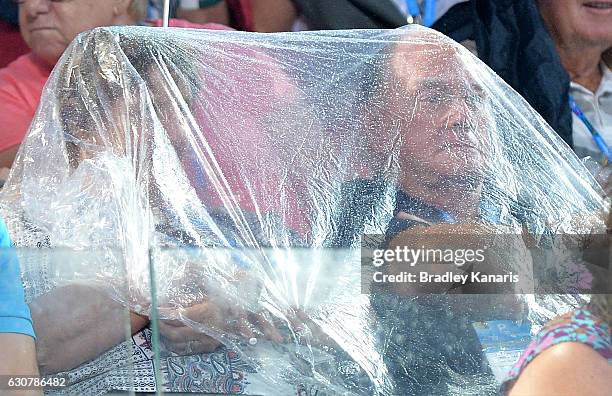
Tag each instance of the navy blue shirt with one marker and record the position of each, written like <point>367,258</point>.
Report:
<point>438,340</point>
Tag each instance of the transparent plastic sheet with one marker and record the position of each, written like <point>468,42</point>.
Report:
<point>240,172</point>
<point>601,172</point>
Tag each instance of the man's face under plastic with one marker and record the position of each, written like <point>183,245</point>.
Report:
<point>444,118</point>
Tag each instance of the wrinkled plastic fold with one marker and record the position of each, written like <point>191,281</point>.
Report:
<point>223,185</point>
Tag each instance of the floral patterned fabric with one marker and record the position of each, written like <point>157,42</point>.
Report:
<point>221,372</point>
<point>131,367</point>
<point>576,326</point>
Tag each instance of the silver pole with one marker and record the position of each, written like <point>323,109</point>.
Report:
<point>166,15</point>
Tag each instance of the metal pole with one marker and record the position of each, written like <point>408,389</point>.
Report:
<point>166,14</point>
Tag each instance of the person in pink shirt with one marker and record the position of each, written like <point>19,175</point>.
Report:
<point>48,27</point>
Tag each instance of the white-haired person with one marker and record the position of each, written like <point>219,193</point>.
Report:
<point>48,27</point>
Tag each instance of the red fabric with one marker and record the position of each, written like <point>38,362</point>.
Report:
<point>12,45</point>
<point>241,14</point>
<point>22,83</point>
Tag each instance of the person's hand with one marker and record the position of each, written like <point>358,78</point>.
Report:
<point>307,331</point>
<point>204,327</point>
<point>495,251</point>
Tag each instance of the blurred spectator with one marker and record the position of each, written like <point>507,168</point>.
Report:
<point>48,28</point>
<point>274,15</point>
<point>364,14</point>
<point>11,45</point>
<point>234,13</point>
<point>154,8</point>
<point>204,11</point>
<point>287,15</point>
<point>246,15</point>
<point>350,14</point>
<point>545,57</point>
<point>425,12</point>
<point>582,34</point>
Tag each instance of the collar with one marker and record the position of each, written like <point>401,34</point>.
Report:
<point>604,87</point>
<point>419,209</point>
<point>606,80</point>
<point>419,213</point>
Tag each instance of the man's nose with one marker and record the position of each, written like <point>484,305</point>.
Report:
<point>34,8</point>
<point>457,121</point>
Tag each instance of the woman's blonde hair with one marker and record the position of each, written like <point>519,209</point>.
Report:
<point>138,9</point>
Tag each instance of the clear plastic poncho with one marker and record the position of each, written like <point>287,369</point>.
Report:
<point>218,190</point>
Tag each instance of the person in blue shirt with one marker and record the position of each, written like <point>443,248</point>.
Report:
<point>17,347</point>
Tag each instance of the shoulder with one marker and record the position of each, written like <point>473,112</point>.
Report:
<point>23,75</point>
<point>356,205</point>
<point>21,65</point>
<point>566,368</point>
<point>21,86</point>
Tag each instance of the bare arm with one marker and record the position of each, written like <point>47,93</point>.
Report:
<point>217,13</point>
<point>273,15</point>
<point>77,323</point>
<point>566,369</point>
<point>18,357</point>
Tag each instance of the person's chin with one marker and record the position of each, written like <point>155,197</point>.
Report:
<point>48,55</point>
<point>458,163</point>
<point>48,51</point>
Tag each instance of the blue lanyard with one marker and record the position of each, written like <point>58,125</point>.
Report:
<point>429,16</point>
<point>599,140</point>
